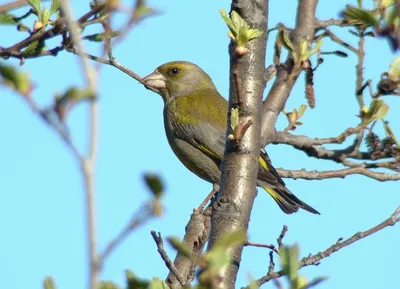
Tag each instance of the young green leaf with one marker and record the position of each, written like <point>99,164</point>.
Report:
<point>154,184</point>
<point>45,16</point>
<point>98,37</point>
<point>157,283</point>
<point>34,48</point>
<point>394,69</point>
<point>36,6</point>
<point>390,133</point>
<point>108,285</point>
<point>234,118</point>
<point>48,283</point>
<point>289,258</point>
<point>180,246</point>
<point>233,238</point>
<point>133,282</point>
<point>15,79</point>
<point>358,16</point>
<point>55,5</point>
<point>378,109</point>
<point>7,19</point>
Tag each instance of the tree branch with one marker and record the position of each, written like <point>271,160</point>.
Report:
<point>320,175</point>
<point>280,90</point>
<point>340,244</point>
<point>160,246</point>
<point>232,209</point>
<point>196,235</point>
<point>88,164</point>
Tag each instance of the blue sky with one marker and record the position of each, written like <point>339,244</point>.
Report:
<point>41,200</point>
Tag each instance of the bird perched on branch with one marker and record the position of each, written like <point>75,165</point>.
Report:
<point>195,119</point>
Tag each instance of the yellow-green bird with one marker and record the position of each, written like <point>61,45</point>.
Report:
<point>195,118</point>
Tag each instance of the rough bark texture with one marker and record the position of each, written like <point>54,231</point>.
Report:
<point>280,90</point>
<point>231,210</point>
<point>196,235</point>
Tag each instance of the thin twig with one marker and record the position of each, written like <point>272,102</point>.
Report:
<point>336,39</point>
<point>281,236</point>
<point>143,215</point>
<point>330,22</point>
<point>359,70</point>
<point>268,246</point>
<point>89,163</point>
<point>342,173</point>
<point>315,259</point>
<point>170,265</point>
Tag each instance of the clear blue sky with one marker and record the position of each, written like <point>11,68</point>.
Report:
<point>41,196</point>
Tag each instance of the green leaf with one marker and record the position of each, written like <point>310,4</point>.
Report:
<point>253,33</point>
<point>315,49</point>
<point>180,246</point>
<point>55,5</point>
<point>359,2</point>
<point>228,22</point>
<point>15,79</point>
<point>233,238</point>
<point>157,283</point>
<point>390,133</point>
<point>394,69</point>
<point>36,6</point>
<point>98,37</point>
<point>289,258</point>
<point>7,19</point>
<point>48,283</point>
<point>238,21</point>
<point>302,109</point>
<point>241,38</point>
<point>45,16</point>
<point>133,282</point>
<point>378,109</point>
<point>234,118</point>
<point>358,16</point>
<point>34,48</point>
<point>142,11</point>
<point>154,184</point>
<point>108,285</point>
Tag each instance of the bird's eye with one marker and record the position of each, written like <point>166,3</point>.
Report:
<point>174,71</point>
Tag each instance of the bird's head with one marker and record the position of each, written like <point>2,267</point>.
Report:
<point>178,78</point>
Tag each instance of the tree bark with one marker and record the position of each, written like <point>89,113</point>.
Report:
<point>231,210</point>
<point>280,90</point>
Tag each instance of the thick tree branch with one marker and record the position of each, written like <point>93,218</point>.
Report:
<point>196,235</point>
<point>340,244</point>
<point>280,90</point>
<point>232,209</point>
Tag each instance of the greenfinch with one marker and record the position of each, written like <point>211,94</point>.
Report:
<point>195,119</point>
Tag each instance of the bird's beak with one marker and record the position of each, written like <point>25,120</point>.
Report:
<point>155,80</point>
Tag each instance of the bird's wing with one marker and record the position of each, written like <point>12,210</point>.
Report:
<point>206,137</point>
<point>203,123</point>
<point>267,173</point>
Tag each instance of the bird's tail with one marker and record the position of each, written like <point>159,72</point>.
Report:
<point>287,201</point>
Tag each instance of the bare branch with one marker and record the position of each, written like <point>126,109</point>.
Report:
<point>320,175</point>
<point>89,163</point>
<point>268,246</point>
<point>340,244</point>
<point>160,246</point>
<point>281,236</point>
<point>330,22</point>
<point>144,214</point>
<point>280,90</point>
<point>196,236</point>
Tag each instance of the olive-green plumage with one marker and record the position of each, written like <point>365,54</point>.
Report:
<point>195,117</point>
